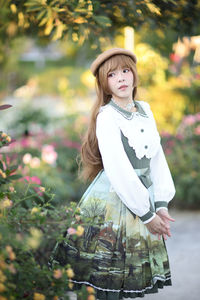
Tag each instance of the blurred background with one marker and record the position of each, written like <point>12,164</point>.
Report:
<point>46,48</point>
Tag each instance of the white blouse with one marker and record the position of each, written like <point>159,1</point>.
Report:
<point>143,137</point>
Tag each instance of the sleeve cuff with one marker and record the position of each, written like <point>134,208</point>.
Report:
<point>147,217</point>
<point>161,204</point>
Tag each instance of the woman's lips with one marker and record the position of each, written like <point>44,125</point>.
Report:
<point>123,87</point>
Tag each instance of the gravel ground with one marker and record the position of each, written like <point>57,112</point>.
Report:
<point>184,255</point>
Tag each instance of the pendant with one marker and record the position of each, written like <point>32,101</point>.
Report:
<point>130,105</point>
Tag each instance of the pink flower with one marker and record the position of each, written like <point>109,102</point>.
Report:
<point>165,134</point>
<point>33,179</point>
<point>36,180</point>
<point>179,136</point>
<point>197,117</point>
<point>25,142</point>
<point>49,155</point>
<point>71,230</point>
<point>54,144</point>
<point>71,144</point>
<point>38,191</point>
<point>197,76</point>
<point>170,143</point>
<point>197,130</point>
<point>168,151</point>
<point>189,120</point>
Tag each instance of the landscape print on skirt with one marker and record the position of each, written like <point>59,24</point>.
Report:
<point>116,255</point>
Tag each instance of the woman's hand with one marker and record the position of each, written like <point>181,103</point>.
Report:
<point>166,218</point>
<point>158,226</point>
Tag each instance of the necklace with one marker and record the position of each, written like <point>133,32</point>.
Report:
<point>128,106</point>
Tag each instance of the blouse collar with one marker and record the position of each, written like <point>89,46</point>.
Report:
<point>128,114</point>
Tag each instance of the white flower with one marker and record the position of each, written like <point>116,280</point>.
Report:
<point>27,158</point>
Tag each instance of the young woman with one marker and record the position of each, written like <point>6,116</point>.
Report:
<point>122,252</point>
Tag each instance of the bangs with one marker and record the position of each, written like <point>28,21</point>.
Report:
<point>118,61</point>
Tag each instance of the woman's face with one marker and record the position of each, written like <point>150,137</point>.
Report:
<point>120,83</point>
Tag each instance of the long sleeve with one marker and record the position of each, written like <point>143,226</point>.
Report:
<point>119,170</point>
<point>164,189</point>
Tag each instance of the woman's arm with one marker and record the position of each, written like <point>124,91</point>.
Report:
<point>163,184</point>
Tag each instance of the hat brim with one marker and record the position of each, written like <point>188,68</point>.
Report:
<point>107,54</point>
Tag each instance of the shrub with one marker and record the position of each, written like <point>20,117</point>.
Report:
<point>182,152</point>
<point>28,220</point>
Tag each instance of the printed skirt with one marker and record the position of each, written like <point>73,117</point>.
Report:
<point>116,255</point>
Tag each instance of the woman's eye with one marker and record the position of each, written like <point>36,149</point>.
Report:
<point>110,74</point>
<point>126,70</point>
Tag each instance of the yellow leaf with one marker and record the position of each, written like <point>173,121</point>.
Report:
<point>13,8</point>
<point>74,36</point>
<point>20,19</point>
<point>153,8</point>
<point>49,27</point>
<point>80,20</point>
<point>11,29</point>
<point>59,31</point>
<point>44,21</point>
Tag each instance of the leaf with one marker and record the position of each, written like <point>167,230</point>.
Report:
<point>57,9</point>
<point>59,31</point>
<point>33,8</point>
<point>5,106</point>
<point>1,166</point>
<point>102,20</point>
<point>49,27</point>
<point>41,14</point>
<point>12,171</point>
<point>15,177</point>
<point>28,203</point>
<point>80,20</point>
<point>81,10</point>
<point>54,2</point>
<point>44,21</point>
<point>14,167</point>
<point>31,3</point>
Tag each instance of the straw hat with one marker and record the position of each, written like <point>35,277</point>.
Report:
<point>107,54</point>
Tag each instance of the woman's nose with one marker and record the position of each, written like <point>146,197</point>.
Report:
<point>120,77</point>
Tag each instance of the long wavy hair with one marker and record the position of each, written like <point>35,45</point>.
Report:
<point>91,160</point>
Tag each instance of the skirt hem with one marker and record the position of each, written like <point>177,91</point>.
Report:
<point>155,279</point>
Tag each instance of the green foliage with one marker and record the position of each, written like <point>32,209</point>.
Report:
<point>28,236</point>
<point>28,220</point>
<point>183,156</point>
<point>79,20</point>
<point>192,92</point>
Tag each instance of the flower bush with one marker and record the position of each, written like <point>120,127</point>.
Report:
<point>53,156</point>
<point>28,219</point>
<point>182,152</point>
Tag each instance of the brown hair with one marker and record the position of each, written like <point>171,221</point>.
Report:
<point>90,155</point>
